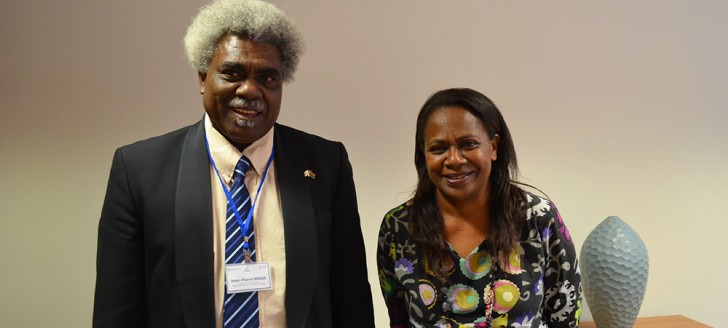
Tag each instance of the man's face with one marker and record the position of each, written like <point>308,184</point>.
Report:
<point>242,89</point>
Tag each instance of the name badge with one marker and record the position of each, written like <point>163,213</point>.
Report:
<point>247,277</point>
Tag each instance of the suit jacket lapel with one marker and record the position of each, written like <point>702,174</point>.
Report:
<point>193,231</point>
<point>299,224</point>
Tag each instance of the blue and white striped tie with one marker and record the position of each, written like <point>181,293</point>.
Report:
<point>240,309</point>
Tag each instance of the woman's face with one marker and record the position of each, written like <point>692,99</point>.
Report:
<point>459,154</point>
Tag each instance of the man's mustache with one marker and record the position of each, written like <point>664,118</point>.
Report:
<point>255,104</point>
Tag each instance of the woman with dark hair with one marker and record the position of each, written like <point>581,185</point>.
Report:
<point>472,248</point>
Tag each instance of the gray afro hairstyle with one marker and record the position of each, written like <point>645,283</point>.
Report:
<point>257,20</point>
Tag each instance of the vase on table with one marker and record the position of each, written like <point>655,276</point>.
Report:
<point>614,267</point>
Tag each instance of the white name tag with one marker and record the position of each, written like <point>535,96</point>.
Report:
<point>247,277</point>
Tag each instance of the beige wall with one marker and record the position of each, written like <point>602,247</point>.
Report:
<point>617,108</point>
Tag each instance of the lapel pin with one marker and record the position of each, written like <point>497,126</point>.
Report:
<point>309,174</point>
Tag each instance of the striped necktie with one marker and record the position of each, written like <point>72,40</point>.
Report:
<point>240,309</point>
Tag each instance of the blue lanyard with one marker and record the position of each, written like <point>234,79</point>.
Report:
<point>244,225</point>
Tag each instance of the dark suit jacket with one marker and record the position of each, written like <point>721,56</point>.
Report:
<point>155,260</point>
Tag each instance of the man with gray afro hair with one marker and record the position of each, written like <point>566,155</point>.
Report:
<point>236,220</point>
<point>256,20</point>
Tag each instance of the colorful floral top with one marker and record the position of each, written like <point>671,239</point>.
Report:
<point>539,287</point>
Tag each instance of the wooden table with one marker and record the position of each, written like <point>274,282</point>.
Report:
<point>669,321</point>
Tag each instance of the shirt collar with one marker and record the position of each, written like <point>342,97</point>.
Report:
<point>226,155</point>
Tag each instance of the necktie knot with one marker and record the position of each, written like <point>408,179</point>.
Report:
<point>241,168</point>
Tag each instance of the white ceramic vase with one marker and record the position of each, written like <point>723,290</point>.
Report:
<point>614,266</point>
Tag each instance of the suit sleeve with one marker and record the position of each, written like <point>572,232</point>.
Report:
<point>351,296</point>
<point>120,290</point>
<point>562,279</point>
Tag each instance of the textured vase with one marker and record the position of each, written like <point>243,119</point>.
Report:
<point>614,268</point>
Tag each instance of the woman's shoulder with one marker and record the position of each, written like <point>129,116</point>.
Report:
<point>400,212</point>
<point>538,207</point>
<point>534,200</point>
<point>397,218</point>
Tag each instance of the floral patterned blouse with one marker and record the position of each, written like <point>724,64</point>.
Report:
<point>539,287</point>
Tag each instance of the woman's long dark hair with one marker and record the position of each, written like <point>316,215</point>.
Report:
<point>506,200</point>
